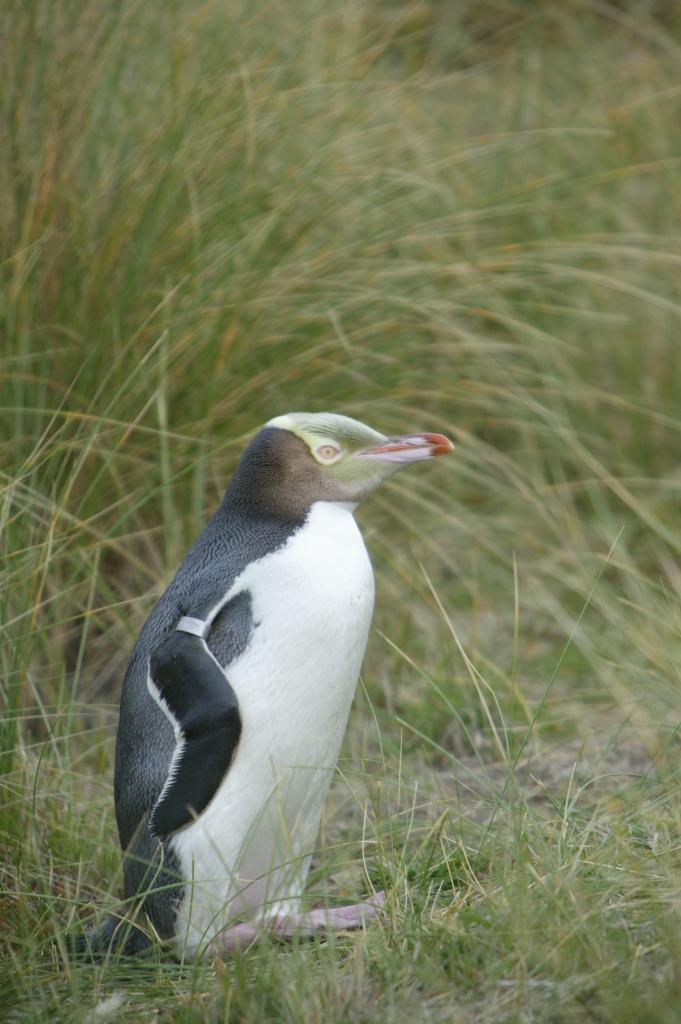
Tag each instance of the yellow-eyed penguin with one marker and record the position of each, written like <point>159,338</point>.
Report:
<point>238,692</point>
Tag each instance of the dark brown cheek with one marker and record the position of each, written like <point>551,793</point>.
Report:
<point>336,490</point>
<point>300,480</point>
<point>280,475</point>
<point>314,484</point>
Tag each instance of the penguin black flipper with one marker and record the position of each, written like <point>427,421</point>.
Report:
<point>193,690</point>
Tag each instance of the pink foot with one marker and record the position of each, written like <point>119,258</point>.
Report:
<point>284,926</point>
<point>237,937</point>
<point>355,915</point>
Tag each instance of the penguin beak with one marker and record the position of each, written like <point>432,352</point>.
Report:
<point>409,448</point>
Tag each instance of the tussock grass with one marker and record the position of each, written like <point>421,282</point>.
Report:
<point>427,216</point>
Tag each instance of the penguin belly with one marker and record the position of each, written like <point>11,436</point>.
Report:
<point>247,856</point>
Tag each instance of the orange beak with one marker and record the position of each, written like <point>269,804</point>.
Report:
<point>410,448</point>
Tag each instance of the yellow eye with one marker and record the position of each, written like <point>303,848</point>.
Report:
<point>328,452</point>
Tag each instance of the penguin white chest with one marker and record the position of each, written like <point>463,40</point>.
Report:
<point>311,605</point>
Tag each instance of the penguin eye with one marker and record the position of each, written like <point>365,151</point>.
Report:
<point>328,452</point>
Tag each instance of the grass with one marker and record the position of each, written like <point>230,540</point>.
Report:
<point>447,217</point>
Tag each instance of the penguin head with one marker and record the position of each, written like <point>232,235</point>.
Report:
<point>306,457</point>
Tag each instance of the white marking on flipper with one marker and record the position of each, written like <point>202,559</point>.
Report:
<point>162,703</point>
<point>180,742</point>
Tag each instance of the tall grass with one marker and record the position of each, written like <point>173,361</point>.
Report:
<point>454,217</point>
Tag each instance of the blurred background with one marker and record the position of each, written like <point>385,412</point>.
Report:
<point>449,216</point>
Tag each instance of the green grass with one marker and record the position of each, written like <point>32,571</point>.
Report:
<point>456,217</point>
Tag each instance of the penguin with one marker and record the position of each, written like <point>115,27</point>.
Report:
<point>238,692</point>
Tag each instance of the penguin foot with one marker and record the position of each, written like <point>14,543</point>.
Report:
<point>289,926</point>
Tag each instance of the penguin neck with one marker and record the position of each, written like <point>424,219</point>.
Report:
<point>239,504</point>
<point>264,506</point>
<point>344,506</point>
